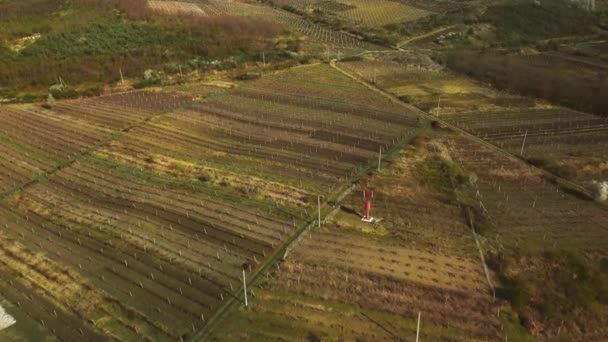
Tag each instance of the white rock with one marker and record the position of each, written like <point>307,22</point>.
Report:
<point>6,320</point>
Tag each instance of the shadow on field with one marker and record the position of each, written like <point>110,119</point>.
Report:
<point>350,211</point>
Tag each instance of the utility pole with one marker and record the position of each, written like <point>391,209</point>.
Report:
<point>379,158</point>
<point>122,79</point>
<point>264,59</point>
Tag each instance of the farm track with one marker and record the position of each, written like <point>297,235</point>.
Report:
<point>423,36</point>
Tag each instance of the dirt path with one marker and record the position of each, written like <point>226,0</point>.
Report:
<point>423,36</point>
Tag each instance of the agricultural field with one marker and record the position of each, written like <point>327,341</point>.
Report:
<point>355,281</point>
<point>547,243</point>
<point>193,170</point>
<point>37,140</point>
<point>371,13</point>
<point>380,12</point>
<point>160,201</point>
<point>569,143</point>
<point>176,7</point>
<point>296,128</point>
<point>351,280</point>
<point>291,21</point>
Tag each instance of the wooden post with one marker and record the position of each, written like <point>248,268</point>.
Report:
<point>319,206</point>
<point>521,153</point>
<point>245,288</point>
<point>438,106</point>
<point>418,328</point>
<point>379,158</point>
<point>122,79</point>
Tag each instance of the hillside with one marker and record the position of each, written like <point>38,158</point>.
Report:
<point>203,170</point>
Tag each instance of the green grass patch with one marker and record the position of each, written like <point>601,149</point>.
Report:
<point>513,328</point>
<point>117,37</point>
<point>447,178</point>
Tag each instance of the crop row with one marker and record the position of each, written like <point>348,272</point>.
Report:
<point>544,135</point>
<point>42,138</point>
<point>381,12</point>
<point>171,255</point>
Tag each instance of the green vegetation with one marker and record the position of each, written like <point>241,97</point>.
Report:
<point>92,42</point>
<point>552,285</point>
<point>117,37</point>
<point>575,86</point>
<point>447,177</point>
<point>526,22</point>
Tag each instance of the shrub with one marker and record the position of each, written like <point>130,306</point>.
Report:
<point>62,91</point>
<point>248,76</point>
<point>150,78</point>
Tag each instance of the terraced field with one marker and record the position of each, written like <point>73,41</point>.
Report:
<point>291,21</point>
<point>528,211</point>
<point>355,281</point>
<point>36,140</point>
<point>374,13</point>
<point>143,208</point>
<point>351,280</point>
<point>371,13</point>
<point>570,144</point>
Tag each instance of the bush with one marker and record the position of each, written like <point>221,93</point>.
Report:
<point>248,76</point>
<point>150,78</point>
<point>62,91</point>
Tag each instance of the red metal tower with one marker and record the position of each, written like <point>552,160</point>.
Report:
<point>367,198</point>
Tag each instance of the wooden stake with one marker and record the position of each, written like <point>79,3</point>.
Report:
<point>418,328</point>
<point>245,288</point>
<point>521,153</point>
<point>319,205</point>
